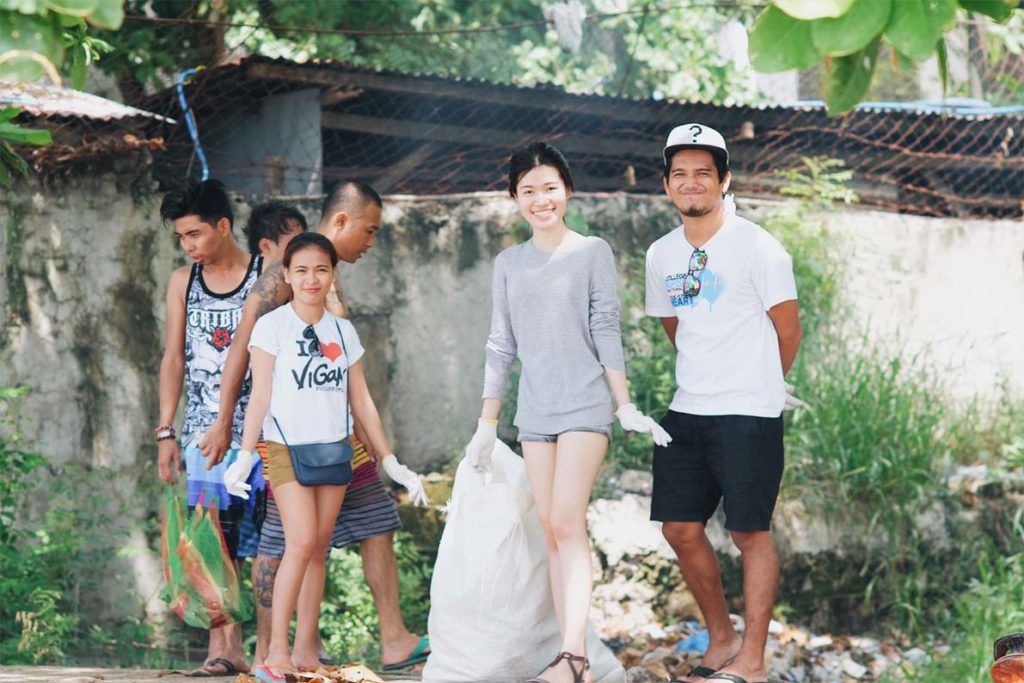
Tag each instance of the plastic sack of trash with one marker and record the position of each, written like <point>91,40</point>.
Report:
<point>491,613</point>
<point>201,583</point>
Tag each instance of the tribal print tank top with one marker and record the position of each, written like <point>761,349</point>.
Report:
<point>210,323</point>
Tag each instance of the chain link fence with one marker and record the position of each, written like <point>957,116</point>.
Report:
<point>282,128</point>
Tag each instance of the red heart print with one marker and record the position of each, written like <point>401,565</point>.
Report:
<point>332,351</point>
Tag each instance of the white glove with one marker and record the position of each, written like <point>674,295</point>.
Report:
<point>481,446</point>
<point>402,475</point>
<point>633,420</point>
<point>236,474</point>
<point>791,400</point>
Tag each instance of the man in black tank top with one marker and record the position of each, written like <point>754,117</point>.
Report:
<point>204,305</point>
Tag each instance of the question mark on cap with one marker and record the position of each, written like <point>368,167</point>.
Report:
<point>696,130</point>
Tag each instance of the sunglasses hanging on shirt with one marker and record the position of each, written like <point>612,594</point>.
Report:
<point>691,283</point>
<point>313,346</point>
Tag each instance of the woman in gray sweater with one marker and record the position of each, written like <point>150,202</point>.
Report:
<point>556,309</point>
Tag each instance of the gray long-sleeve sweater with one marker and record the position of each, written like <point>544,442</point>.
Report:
<point>559,313</point>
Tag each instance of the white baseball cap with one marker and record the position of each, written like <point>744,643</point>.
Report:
<point>695,136</point>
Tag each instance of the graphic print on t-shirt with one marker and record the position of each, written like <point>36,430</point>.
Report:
<point>210,323</point>
<point>317,371</point>
<point>712,286</point>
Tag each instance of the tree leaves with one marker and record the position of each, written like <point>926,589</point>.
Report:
<point>847,78</point>
<point>916,25</point>
<point>109,14</point>
<point>854,30</point>
<point>781,43</point>
<point>1000,10</point>
<point>848,33</point>
<point>25,39</point>
<point>32,35</point>
<point>76,8</point>
<point>814,9</point>
<point>12,134</point>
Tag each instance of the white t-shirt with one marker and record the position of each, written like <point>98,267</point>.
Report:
<point>309,395</point>
<point>727,360</point>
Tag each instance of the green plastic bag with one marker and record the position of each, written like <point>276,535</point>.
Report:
<point>202,583</point>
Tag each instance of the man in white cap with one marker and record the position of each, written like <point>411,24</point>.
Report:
<point>726,296</point>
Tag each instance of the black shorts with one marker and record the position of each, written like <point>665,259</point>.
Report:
<point>711,457</point>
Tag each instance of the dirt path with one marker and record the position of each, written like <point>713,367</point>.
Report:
<point>67,674</point>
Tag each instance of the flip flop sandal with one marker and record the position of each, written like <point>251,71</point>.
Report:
<point>702,671</point>
<point>731,677</point>
<point>267,674</point>
<point>419,655</point>
<point>204,671</point>
<point>327,661</point>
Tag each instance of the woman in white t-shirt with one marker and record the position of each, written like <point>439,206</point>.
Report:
<point>306,374</point>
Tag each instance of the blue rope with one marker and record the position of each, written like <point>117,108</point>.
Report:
<point>190,120</point>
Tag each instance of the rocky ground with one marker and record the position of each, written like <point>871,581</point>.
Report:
<point>794,654</point>
<point>643,610</point>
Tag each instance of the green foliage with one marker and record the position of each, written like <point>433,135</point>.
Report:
<point>781,43</point>
<point>15,463</point>
<point>12,134</point>
<point>820,182</point>
<point>814,9</point>
<point>853,31</point>
<point>48,566</point>
<point>36,33</point>
<point>848,78</point>
<point>917,25</point>
<point>622,54</point>
<point>874,430</point>
<point>348,617</point>
<point>45,629</point>
<point>847,35</point>
<point>988,609</point>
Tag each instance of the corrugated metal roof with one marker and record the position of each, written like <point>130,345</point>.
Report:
<point>951,108</point>
<point>46,99</point>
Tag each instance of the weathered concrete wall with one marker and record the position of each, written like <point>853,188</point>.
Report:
<point>85,263</point>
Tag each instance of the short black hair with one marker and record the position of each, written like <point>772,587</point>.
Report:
<point>309,240</point>
<point>350,196</point>
<point>271,220</point>
<point>207,199</point>
<point>721,165</point>
<point>537,154</point>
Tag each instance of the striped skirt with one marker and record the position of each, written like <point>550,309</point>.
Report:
<point>367,510</point>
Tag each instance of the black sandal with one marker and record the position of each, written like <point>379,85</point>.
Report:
<point>570,659</point>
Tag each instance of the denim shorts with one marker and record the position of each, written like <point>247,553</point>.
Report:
<point>525,435</point>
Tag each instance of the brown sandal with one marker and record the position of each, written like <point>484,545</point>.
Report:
<point>570,659</point>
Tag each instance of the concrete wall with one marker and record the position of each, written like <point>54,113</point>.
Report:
<point>85,261</point>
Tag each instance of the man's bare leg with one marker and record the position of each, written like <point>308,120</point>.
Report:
<point>264,571</point>
<point>381,570</point>
<point>226,643</point>
<point>760,583</point>
<point>703,577</point>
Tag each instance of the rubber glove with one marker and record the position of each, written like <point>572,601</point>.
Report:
<point>237,473</point>
<point>402,475</point>
<point>791,400</point>
<point>633,420</point>
<point>481,446</point>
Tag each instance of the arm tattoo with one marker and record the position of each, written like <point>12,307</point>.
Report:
<point>271,289</point>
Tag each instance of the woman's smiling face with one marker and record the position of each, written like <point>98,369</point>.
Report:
<point>542,197</point>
